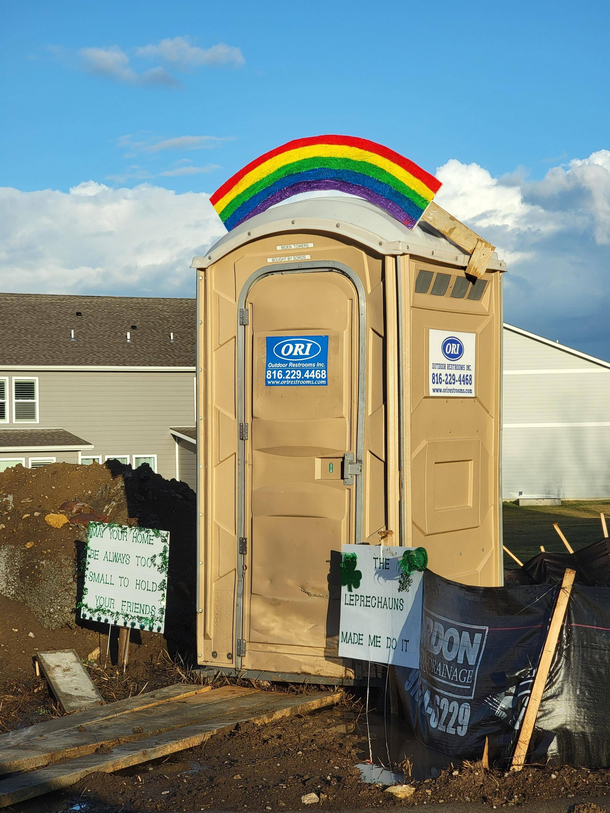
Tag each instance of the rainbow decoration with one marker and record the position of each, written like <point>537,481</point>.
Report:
<point>343,163</point>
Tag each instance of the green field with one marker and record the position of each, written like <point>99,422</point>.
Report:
<point>526,528</point>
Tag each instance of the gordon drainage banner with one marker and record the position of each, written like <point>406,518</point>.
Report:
<point>478,653</point>
<point>479,650</point>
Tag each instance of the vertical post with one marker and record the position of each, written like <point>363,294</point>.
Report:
<point>602,516</point>
<point>404,327</point>
<point>542,672</point>
<point>391,372</point>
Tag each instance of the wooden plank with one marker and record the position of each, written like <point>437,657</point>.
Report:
<point>602,516</point>
<point>562,537</point>
<point>480,259</point>
<point>126,728</point>
<point>453,229</point>
<point>450,227</point>
<point>49,746</point>
<point>99,714</point>
<point>69,680</point>
<point>263,708</point>
<point>542,672</point>
<point>512,555</point>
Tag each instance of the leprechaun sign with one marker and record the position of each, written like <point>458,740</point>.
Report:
<point>381,603</point>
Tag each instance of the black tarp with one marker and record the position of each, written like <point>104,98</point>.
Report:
<point>592,566</point>
<point>480,647</point>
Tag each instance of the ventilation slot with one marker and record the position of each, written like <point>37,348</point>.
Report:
<point>477,290</point>
<point>422,283</point>
<point>441,283</point>
<point>460,288</point>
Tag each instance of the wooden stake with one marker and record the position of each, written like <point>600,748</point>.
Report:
<point>512,556</point>
<point>546,658</point>
<point>485,757</point>
<point>542,549</point>
<point>108,644</point>
<point>604,526</point>
<point>126,653</point>
<point>123,647</point>
<point>562,537</point>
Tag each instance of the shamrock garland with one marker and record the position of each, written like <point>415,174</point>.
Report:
<point>350,577</point>
<point>411,561</point>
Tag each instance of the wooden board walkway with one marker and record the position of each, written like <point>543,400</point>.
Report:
<point>54,755</point>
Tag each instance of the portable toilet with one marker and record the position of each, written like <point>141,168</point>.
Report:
<point>348,391</point>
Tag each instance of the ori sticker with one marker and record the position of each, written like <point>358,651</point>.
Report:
<point>452,364</point>
<point>296,361</point>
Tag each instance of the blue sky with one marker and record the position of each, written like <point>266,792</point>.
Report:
<point>144,106</point>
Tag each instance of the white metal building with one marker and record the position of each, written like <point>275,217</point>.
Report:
<point>556,421</point>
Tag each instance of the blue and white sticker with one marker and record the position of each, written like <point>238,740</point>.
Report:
<point>452,364</point>
<point>296,361</point>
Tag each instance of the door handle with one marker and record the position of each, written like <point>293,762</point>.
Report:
<point>351,468</point>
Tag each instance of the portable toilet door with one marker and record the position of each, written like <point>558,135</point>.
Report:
<point>313,353</point>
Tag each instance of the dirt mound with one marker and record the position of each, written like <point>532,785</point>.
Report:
<point>44,516</point>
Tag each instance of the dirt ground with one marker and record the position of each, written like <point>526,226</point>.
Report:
<point>251,768</point>
<point>273,767</point>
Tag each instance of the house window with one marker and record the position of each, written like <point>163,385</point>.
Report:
<point>122,458</point>
<point>9,463</point>
<point>37,462</point>
<point>151,459</point>
<point>25,400</point>
<point>87,461</point>
<point>3,400</point>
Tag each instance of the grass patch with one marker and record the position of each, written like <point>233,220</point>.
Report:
<point>528,527</point>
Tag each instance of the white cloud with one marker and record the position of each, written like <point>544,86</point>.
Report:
<point>180,52</point>
<point>113,63</point>
<point>97,240</point>
<point>137,144</point>
<point>133,173</point>
<point>189,170</point>
<point>555,235</point>
<point>554,232</point>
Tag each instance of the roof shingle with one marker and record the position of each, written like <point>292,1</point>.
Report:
<point>31,438</point>
<point>35,329</point>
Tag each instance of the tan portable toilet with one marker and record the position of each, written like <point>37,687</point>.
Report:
<point>335,347</point>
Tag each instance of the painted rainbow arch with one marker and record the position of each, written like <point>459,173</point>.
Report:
<point>343,163</point>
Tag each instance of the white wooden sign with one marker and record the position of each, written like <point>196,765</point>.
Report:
<point>380,622</point>
<point>126,576</point>
<point>452,364</point>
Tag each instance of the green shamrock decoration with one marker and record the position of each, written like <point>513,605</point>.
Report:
<point>411,561</point>
<point>350,577</point>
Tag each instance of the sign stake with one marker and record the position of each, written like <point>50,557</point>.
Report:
<point>542,672</point>
<point>562,537</point>
<point>108,644</point>
<point>123,646</point>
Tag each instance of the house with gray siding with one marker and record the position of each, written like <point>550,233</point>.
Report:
<point>85,379</point>
<point>556,420</point>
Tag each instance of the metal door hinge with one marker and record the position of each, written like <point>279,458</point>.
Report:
<point>351,468</point>
<point>241,647</point>
<point>244,316</point>
<point>243,545</point>
<point>243,431</point>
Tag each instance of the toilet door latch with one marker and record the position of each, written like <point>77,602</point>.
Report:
<point>351,468</point>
